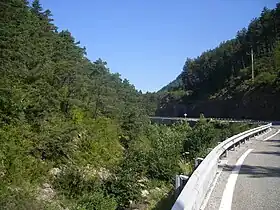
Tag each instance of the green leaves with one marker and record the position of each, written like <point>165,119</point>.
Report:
<point>96,201</point>
<point>201,137</point>
<point>165,153</point>
<point>98,143</point>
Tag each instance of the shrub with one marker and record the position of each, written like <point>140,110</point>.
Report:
<point>98,144</point>
<point>96,201</point>
<point>17,198</point>
<point>265,78</point>
<point>165,153</point>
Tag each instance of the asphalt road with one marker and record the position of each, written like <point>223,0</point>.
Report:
<point>256,184</point>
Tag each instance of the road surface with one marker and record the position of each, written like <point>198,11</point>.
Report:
<point>249,178</point>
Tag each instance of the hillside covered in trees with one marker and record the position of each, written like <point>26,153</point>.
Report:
<point>222,83</point>
<point>75,136</point>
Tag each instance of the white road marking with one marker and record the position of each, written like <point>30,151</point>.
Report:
<point>272,135</point>
<point>228,192</point>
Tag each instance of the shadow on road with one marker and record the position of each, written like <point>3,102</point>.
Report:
<point>268,153</point>
<point>273,141</point>
<point>255,171</point>
<point>277,143</point>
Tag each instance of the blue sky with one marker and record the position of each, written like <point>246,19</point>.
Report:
<point>148,41</point>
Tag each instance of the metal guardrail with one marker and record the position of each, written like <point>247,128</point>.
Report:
<point>195,190</point>
<point>214,119</point>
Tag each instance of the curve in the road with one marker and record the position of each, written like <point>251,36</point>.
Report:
<point>253,181</point>
<point>228,192</point>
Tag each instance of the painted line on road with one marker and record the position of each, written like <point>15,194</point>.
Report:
<point>272,135</point>
<point>228,192</point>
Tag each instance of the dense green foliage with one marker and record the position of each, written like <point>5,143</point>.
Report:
<point>72,134</point>
<point>226,71</point>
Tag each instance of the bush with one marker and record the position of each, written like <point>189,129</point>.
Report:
<point>71,183</point>
<point>54,140</point>
<point>17,198</point>
<point>265,78</point>
<point>96,201</point>
<point>165,154</point>
<point>17,165</point>
<point>125,184</point>
<point>203,135</point>
<point>98,143</point>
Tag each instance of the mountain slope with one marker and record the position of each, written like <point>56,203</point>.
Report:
<point>176,84</point>
<point>220,81</point>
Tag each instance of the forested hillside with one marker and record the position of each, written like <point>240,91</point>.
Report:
<point>221,81</point>
<point>174,85</point>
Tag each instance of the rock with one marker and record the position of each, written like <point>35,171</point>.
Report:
<point>144,193</point>
<point>46,185</point>
<point>15,189</point>
<point>142,185</point>
<point>46,193</point>
<point>158,189</point>
<point>88,172</point>
<point>55,171</point>
<point>143,180</point>
<point>2,173</point>
<point>103,173</point>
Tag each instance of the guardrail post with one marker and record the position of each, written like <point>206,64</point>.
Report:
<point>180,182</point>
<point>226,153</point>
<point>186,153</point>
<point>197,161</point>
<point>209,149</point>
<point>233,147</point>
<point>177,182</point>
